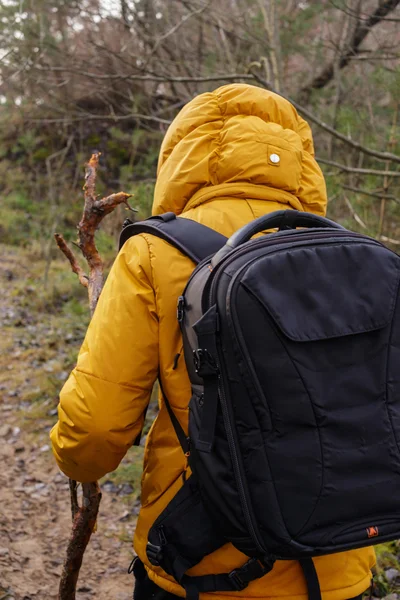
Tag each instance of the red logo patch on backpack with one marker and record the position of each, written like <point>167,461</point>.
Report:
<point>372,532</point>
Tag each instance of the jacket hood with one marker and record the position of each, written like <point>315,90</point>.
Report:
<point>239,141</point>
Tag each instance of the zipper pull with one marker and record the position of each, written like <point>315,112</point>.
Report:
<point>162,536</point>
<point>180,309</point>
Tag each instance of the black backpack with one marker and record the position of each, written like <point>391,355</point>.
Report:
<point>292,344</point>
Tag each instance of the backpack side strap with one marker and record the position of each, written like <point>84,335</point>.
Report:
<point>193,239</point>
<point>311,577</point>
<point>235,581</point>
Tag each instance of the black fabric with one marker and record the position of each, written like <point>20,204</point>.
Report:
<point>322,310</point>
<point>184,532</point>
<point>146,589</point>
<point>208,423</point>
<point>307,331</point>
<point>205,358</point>
<point>193,239</point>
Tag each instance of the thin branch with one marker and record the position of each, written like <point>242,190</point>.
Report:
<point>344,138</point>
<point>91,117</point>
<point>386,180</point>
<point>361,31</point>
<point>253,76</point>
<point>160,78</point>
<point>66,250</point>
<point>360,16</point>
<point>177,26</point>
<point>358,170</point>
<point>372,57</point>
<point>354,214</point>
<point>244,76</point>
<point>268,14</point>
<point>107,205</point>
<point>389,240</point>
<point>372,194</point>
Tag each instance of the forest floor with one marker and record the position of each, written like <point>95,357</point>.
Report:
<point>41,330</point>
<point>42,326</point>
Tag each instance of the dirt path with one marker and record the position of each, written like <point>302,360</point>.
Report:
<point>34,497</point>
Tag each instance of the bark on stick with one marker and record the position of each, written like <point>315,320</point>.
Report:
<point>84,517</point>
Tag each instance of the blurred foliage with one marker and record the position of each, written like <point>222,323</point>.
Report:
<point>109,76</point>
<point>83,76</point>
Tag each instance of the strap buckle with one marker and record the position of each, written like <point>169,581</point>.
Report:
<point>127,222</point>
<point>154,554</point>
<point>204,363</point>
<point>254,568</point>
<point>238,584</point>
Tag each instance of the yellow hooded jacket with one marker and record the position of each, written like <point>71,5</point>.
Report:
<point>217,167</point>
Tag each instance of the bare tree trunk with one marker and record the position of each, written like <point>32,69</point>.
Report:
<point>361,31</point>
<point>271,28</point>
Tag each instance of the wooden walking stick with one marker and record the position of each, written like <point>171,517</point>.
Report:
<point>84,517</point>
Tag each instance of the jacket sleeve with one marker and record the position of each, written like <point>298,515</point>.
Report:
<point>102,404</point>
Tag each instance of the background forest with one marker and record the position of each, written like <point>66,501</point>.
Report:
<point>110,75</point>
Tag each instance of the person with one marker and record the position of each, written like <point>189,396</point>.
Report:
<point>230,156</point>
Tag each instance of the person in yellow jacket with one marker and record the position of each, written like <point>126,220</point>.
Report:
<point>214,167</point>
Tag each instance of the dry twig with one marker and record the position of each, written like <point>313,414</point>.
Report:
<point>251,76</point>
<point>361,30</point>
<point>389,240</point>
<point>84,517</point>
<point>340,136</point>
<point>358,170</point>
<point>76,268</point>
<point>356,217</point>
<point>377,195</point>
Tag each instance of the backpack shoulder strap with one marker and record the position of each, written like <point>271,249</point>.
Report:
<point>193,239</point>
